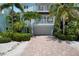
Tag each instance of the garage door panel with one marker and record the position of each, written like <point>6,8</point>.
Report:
<point>43,29</point>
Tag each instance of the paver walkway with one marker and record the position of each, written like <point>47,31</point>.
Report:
<point>49,46</point>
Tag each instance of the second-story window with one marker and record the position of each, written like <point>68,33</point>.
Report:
<point>43,7</point>
<point>26,7</point>
<point>40,7</point>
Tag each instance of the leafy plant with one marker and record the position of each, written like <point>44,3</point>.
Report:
<point>66,22</point>
<point>21,36</point>
<point>11,16</point>
<point>4,39</point>
<point>18,26</point>
<point>71,37</point>
<point>7,34</point>
<point>31,15</point>
<point>71,27</point>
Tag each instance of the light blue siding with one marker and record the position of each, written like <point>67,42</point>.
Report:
<point>3,20</point>
<point>2,23</point>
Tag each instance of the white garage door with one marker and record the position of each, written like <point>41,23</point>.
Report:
<point>43,29</point>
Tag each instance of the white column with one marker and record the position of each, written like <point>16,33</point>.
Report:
<point>32,25</point>
<point>53,24</point>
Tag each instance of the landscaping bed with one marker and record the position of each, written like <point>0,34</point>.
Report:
<point>13,43</point>
<point>9,36</point>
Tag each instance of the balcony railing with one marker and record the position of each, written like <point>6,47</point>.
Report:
<point>41,8</point>
<point>45,19</point>
<point>37,8</point>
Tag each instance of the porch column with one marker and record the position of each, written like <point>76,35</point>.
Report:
<point>32,25</point>
<point>53,25</point>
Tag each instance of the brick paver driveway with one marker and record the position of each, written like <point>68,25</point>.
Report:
<point>49,46</point>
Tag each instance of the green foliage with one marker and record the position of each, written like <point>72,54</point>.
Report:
<point>7,34</point>
<point>70,31</point>
<point>21,36</point>
<point>71,37</point>
<point>7,5</point>
<point>4,39</point>
<point>59,35</point>
<point>18,26</point>
<point>12,16</point>
<point>31,15</point>
<point>71,28</point>
<point>65,37</point>
<point>15,36</point>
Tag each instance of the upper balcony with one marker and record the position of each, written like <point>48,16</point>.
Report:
<point>76,4</point>
<point>42,8</point>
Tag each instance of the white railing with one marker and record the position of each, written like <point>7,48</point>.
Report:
<point>41,8</point>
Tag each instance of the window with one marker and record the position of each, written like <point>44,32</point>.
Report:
<point>26,7</point>
<point>40,7</point>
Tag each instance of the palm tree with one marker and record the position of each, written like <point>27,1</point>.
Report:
<point>63,12</point>
<point>7,5</point>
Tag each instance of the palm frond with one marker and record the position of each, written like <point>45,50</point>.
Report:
<point>19,6</point>
<point>31,15</point>
<point>7,5</point>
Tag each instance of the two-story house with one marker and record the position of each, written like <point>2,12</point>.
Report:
<point>45,25</point>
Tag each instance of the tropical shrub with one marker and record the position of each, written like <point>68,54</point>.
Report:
<point>71,31</point>
<point>65,37</point>
<point>21,36</point>
<point>71,28</point>
<point>18,26</point>
<point>71,37</point>
<point>66,21</point>
<point>59,35</point>
<point>4,39</point>
<point>7,34</point>
<point>14,36</point>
